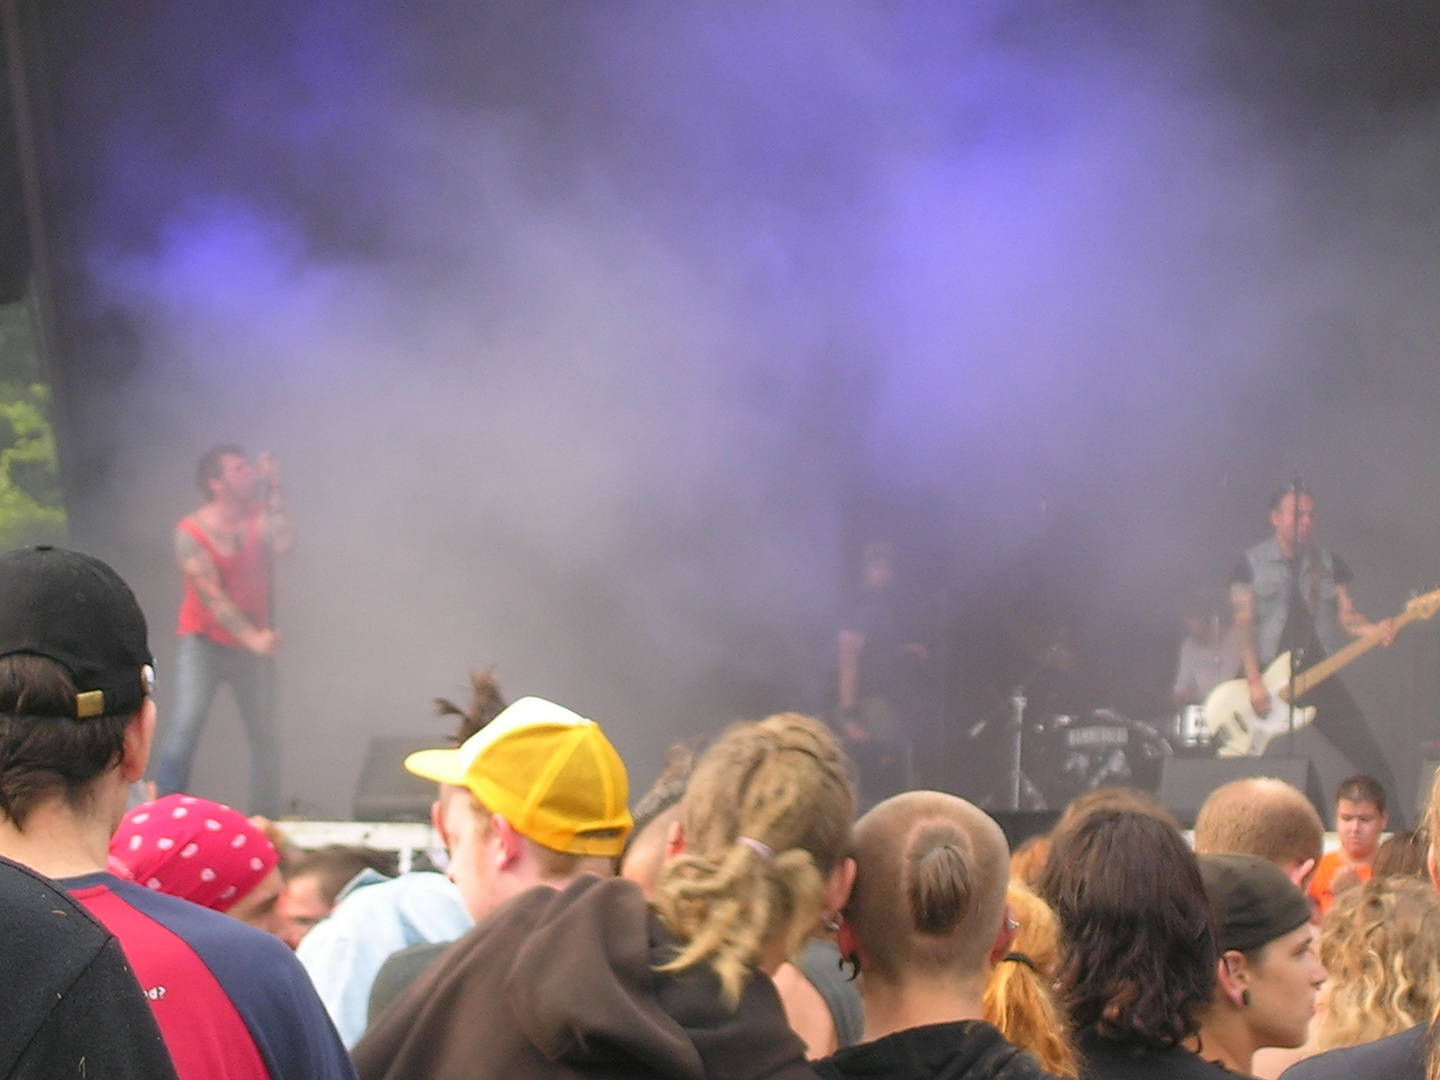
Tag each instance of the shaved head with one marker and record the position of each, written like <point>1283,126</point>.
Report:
<point>929,888</point>
<point>1260,816</point>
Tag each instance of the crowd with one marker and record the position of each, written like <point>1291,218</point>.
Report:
<point>739,923</point>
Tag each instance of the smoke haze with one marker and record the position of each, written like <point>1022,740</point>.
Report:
<point>594,339</point>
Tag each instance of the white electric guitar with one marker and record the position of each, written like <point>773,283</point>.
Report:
<point>1237,731</point>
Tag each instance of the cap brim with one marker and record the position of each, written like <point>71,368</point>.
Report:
<point>446,766</point>
<point>451,765</point>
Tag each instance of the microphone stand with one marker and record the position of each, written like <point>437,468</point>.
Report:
<point>1016,780</point>
<point>1298,657</point>
<point>1017,739</point>
<point>1297,652</point>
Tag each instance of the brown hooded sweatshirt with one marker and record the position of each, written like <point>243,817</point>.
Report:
<point>561,983</point>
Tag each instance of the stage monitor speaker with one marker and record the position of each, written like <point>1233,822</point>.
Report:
<point>1021,825</point>
<point>386,792</point>
<point>1185,783</point>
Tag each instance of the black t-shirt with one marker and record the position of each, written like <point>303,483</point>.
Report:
<point>69,1003</point>
<point>1106,1059</point>
<point>962,1050</point>
<point>1397,1057</point>
<point>876,615</point>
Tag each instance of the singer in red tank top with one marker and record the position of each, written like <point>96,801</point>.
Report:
<point>225,551</point>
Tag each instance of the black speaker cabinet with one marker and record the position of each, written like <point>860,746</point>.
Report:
<point>1021,825</point>
<point>1185,783</point>
<point>386,792</point>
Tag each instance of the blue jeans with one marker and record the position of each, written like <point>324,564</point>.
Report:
<point>200,667</point>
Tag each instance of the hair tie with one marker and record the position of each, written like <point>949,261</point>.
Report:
<point>1021,958</point>
<point>765,851</point>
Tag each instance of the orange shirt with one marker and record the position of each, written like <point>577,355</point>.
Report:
<point>1321,885</point>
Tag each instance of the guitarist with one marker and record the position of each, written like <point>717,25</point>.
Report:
<point>1290,595</point>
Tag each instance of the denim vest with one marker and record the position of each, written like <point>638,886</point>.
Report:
<point>1271,574</point>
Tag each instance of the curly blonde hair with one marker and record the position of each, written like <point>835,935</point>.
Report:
<point>1380,944</point>
<point>1431,828</point>
<point>1018,999</point>
<point>767,818</point>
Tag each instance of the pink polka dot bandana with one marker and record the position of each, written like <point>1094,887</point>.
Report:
<point>198,850</point>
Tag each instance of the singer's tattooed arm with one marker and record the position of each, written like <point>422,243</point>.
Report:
<point>200,569</point>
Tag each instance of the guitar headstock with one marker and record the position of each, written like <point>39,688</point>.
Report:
<point>1423,607</point>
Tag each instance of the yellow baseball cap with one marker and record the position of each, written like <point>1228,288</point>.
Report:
<point>549,772</point>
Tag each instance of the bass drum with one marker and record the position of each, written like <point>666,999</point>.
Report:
<point>1095,750</point>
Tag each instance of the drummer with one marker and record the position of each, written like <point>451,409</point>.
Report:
<point>1208,655</point>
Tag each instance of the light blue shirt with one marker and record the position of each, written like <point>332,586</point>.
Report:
<point>376,916</point>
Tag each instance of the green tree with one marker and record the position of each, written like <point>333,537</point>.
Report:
<point>32,505</point>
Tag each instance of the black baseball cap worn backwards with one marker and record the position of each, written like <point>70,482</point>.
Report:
<point>75,610</point>
<point>1253,900</point>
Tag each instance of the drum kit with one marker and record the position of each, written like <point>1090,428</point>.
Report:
<point>1065,756</point>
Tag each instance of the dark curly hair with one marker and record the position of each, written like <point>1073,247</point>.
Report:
<point>1139,949</point>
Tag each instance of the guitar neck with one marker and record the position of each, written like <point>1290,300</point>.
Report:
<point>1313,676</point>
